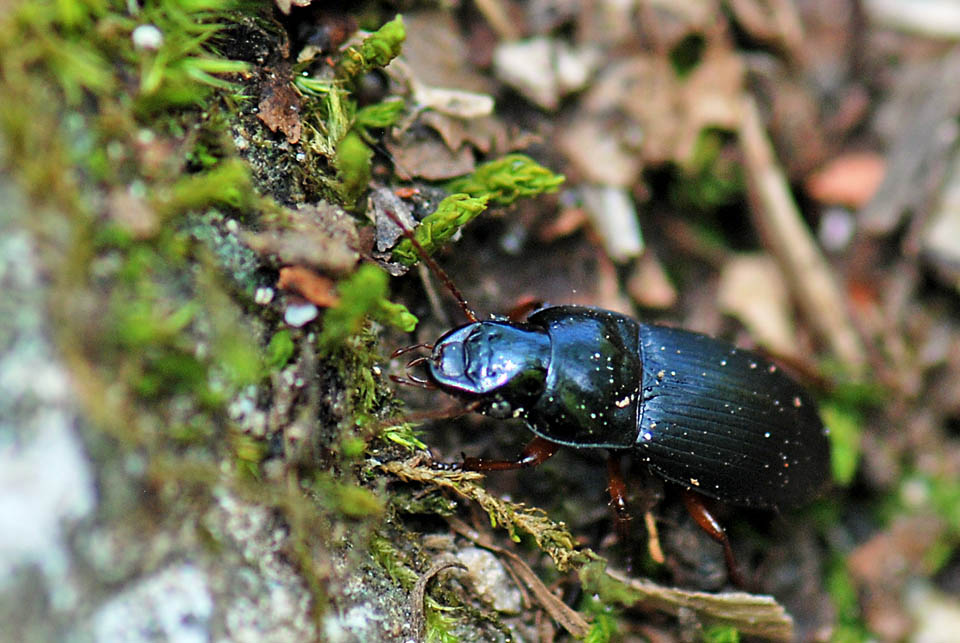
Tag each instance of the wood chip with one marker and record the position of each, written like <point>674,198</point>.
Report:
<point>750,613</point>
<point>315,288</point>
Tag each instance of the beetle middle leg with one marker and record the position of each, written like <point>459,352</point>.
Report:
<point>617,487</point>
<point>699,511</point>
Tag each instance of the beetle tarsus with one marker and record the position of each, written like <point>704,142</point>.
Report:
<point>535,453</point>
<point>447,466</point>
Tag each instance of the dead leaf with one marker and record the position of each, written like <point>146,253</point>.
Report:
<point>649,284</point>
<point>489,135</point>
<point>771,21</point>
<point>279,106</point>
<point>850,180</point>
<point>564,224</point>
<point>436,54</point>
<point>315,288</point>
<point>285,5</point>
<point>453,102</point>
<point>599,151</point>
<point>885,563</point>
<point>544,69</point>
<point>753,290</point>
<point>640,112</point>
<point>426,156</point>
<point>320,236</point>
<point>381,200</point>
<point>406,192</point>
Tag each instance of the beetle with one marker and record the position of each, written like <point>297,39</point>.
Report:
<point>719,421</point>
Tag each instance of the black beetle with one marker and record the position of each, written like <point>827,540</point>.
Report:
<point>700,412</point>
<point>718,420</point>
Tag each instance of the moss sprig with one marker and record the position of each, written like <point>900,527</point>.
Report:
<point>376,50</point>
<point>507,179</point>
<point>451,214</point>
<point>362,294</point>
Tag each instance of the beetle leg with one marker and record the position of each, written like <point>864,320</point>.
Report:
<point>618,495</point>
<point>524,307</point>
<point>708,522</point>
<point>536,452</point>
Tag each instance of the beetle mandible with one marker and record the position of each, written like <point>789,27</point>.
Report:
<point>717,420</point>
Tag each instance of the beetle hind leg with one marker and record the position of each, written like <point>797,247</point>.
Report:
<point>617,487</point>
<point>699,511</point>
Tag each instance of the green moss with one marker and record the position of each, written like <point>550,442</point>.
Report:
<point>361,295</point>
<point>844,423</point>
<point>248,452</point>
<point>234,355</point>
<point>507,179</point>
<point>376,50</point>
<point>334,129</point>
<point>687,54</point>
<point>843,414</point>
<point>279,350</point>
<point>197,430</point>
<point>451,214</point>
<point>352,161</point>
<point>440,627</point>
<point>226,184</point>
<point>439,624</point>
<point>150,320</point>
<point>404,434</point>
<point>710,179</point>
<point>345,499</point>
<point>392,560</point>
<point>380,115</point>
<point>721,634</point>
<point>352,447</point>
<point>603,618</point>
<point>518,520</point>
<point>849,626</point>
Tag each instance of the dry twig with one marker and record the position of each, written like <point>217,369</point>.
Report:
<point>781,225</point>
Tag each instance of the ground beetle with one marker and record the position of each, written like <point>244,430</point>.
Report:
<point>719,421</point>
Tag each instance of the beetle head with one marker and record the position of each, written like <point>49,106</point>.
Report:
<point>500,361</point>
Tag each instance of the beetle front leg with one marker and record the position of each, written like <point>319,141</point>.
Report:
<point>536,452</point>
<point>694,503</point>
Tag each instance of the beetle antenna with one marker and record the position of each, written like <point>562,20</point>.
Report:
<point>406,349</point>
<point>413,380</point>
<point>435,267</point>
